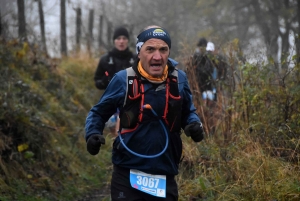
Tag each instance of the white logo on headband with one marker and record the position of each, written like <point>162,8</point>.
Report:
<point>159,32</point>
<point>139,46</point>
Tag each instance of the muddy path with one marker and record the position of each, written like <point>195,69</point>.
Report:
<point>97,194</point>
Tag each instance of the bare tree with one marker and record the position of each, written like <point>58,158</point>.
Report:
<point>298,32</point>
<point>109,33</point>
<point>269,28</point>
<point>90,30</point>
<point>21,20</point>
<point>42,25</point>
<point>78,28</point>
<point>262,21</point>
<point>63,30</point>
<point>1,31</point>
<point>6,11</point>
<point>100,43</point>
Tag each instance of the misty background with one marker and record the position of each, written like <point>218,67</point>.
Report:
<point>49,50</point>
<point>261,29</point>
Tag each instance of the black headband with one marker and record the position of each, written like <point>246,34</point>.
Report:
<point>158,33</point>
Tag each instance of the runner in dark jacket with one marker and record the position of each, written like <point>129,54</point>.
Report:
<point>146,156</point>
<point>110,64</point>
<point>119,58</point>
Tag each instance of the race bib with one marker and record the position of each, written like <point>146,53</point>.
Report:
<point>152,184</point>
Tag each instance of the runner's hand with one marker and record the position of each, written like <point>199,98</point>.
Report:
<point>94,143</point>
<point>195,131</point>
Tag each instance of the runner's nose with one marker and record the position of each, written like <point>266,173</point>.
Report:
<point>157,55</point>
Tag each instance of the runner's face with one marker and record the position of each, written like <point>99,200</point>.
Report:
<point>121,43</point>
<point>154,56</point>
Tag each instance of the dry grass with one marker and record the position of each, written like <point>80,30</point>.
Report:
<point>44,107</point>
<point>250,152</point>
<point>238,159</point>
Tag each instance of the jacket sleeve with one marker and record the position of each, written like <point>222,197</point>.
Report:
<point>189,114</point>
<point>111,100</point>
<point>101,80</point>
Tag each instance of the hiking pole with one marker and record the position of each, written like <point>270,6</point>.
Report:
<point>147,106</point>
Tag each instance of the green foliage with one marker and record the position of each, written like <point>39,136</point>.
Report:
<point>270,103</point>
<point>251,149</point>
<point>43,106</point>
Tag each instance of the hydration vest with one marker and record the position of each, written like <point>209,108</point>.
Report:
<point>132,113</point>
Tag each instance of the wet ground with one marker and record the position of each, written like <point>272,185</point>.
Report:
<point>97,195</point>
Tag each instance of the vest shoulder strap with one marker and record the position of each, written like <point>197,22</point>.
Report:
<point>133,84</point>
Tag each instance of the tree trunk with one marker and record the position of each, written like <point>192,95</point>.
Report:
<point>63,31</point>
<point>297,35</point>
<point>130,30</point>
<point>21,20</point>
<point>78,28</point>
<point>270,31</point>
<point>90,32</point>
<point>109,33</point>
<point>1,29</point>
<point>100,31</point>
<point>42,25</point>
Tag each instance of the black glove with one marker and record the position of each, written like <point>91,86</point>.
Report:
<point>195,131</point>
<point>94,142</point>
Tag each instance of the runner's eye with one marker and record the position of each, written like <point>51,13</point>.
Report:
<point>164,49</point>
<point>150,49</point>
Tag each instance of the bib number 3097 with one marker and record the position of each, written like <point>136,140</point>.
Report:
<point>148,183</point>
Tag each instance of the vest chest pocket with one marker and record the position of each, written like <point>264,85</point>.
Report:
<point>174,113</point>
<point>129,115</point>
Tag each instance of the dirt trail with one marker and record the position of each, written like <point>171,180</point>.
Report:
<point>97,195</point>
